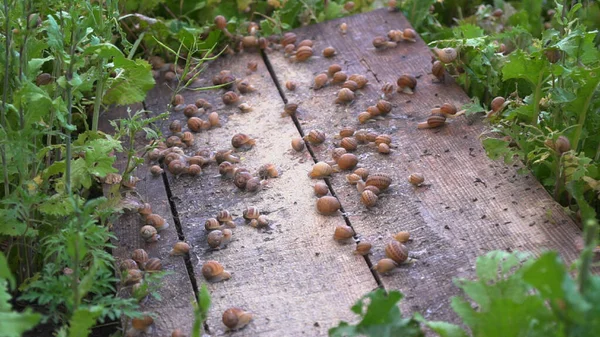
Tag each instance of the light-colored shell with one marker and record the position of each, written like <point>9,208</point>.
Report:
<point>334,68</point>
<point>291,85</point>
<point>154,264</point>
<point>128,264</point>
<point>304,53</point>
<point>347,161</point>
<point>251,212</point>
<point>396,251</point>
<point>157,221</point>
<point>406,83</point>
<point>343,232</point>
<point>383,148</point>
<point>212,224</point>
<point>306,42</point>
<point>362,172</point>
<point>363,248</point>
<point>368,198</point>
<point>180,248</point>
<point>242,140</point>
<point>372,189</point>
<point>497,103</point>
<point>236,318</point>
<point>345,95</point>
<point>214,239</point>
<point>195,124</point>
<point>268,171</point>
<point>349,143</point>
<point>438,70</point>
<point>436,120</point>
<point>387,89</point>
<point>416,179</point>
<point>446,55</point>
<point>149,233</point>
<point>329,52</point>
<point>321,189</point>
<point>224,216</point>
<point>145,209</point>
<point>353,178</point>
<point>339,77</point>
<point>230,97</point>
<point>384,106</point>
<point>315,137</point>
<point>402,236</point>
<point>288,38</point>
<point>337,153</point>
<point>298,144</point>
<point>320,81</point>
<point>350,85</point>
<point>328,205</point>
<point>383,139</point>
<point>321,170</point>
<point>213,271</point>
<point>140,256</point>
<point>385,265</point>
<point>191,110</point>
<point>379,180</point>
<point>364,117</point>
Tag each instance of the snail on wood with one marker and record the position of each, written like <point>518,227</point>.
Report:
<point>315,137</point>
<point>436,120</point>
<point>212,224</point>
<point>230,97</point>
<point>343,233</point>
<point>384,148</point>
<point>416,179</point>
<point>303,53</point>
<point>347,132</point>
<point>396,251</point>
<point>344,96</point>
<point>298,144</point>
<point>128,264</point>
<point>388,90</point>
<point>380,42</point>
<point>368,198</point>
<point>337,153</point>
<point>328,205</point>
<point>213,271</point>
<point>268,171</point>
<point>334,68</point>
<point>406,84</point>
<point>402,236</point>
<point>149,233</point>
<point>242,140</point>
<point>329,52</point>
<point>438,70</point>
<point>350,85</point>
<point>363,248</point>
<point>385,265</point>
<point>226,155</point>
<point>180,248</point>
<point>290,85</point>
<point>157,221</point>
<point>347,161</point>
<point>380,180</point>
<point>364,117</point>
<point>320,170</point>
<point>353,178</point>
<point>349,143</point>
<point>321,189</point>
<point>320,81</point>
<point>139,256</point>
<point>446,55</point>
<point>362,172</point>
<point>153,265</point>
<point>236,318</point>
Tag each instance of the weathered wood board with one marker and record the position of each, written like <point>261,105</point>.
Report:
<point>471,205</point>
<point>293,277</point>
<point>174,310</point>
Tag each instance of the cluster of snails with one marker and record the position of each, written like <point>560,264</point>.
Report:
<point>439,115</point>
<point>177,162</point>
<point>445,56</point>
<point>243,179</point>
<point>350,139</point>
<point>298,53</point>
<point>133,269</point>
<point>155,221</point>
<point>349,83</point>
<point>406,85</point>
<point>381,109</point>
<point>396,254</point>
<point>393,37</point>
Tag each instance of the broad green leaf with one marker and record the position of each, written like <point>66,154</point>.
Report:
<point>55,37</point>
<point>498,148</point>
<point>103,50</point>
<point>521,65</point>
<point>14,324</point>
<point>445,329</point>
<point>5,272</point>
<point>10,224</point>
<point>34,65</point>
<point>83,320</point>
<point>580,45</point>
<point>134,79</point>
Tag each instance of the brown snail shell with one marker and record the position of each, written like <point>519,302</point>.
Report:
<point>289,49</point>
<point>198,160</point>
<point>409,34</point>
<point>157,221</point>
<point>202,103</point>
<point>438,70</point>
<point>128,264</point>
<point>349,143</point>
<point>361,80</point>
<point>212,224</point>
<point>236,318</point>
<point>320,81</point>
<point>321,170</point>
<point>328,205</point>
<point>396,251</point>
<point>497,103</point>
<point>329,52</point>
<point>339,77</point>
<point>175,126</point>
<point>315,137</point>
<point>153,264</point>
<point>139,256</point>
<point>213,271</point>
<point>363,248</point>
<point>364,117</point>
<point>194,124</point>
<point>174,141</point>
<point>362,172</point>
<point>379,180</point>
<point>370,188</point>
<point>448,109</point>
<point>213,119</point>
<point>242,140</point>
<point>416,179</point>
<point>562,144</point>
<point>361,136</point>
<point>368,198</point>
<point>214,239</point>
<point>149,233</point>
<point>187,138</point>
<point>345,95</point>
<point>254,185</point>
<point>383,148</point>
<point>306,42</point>
<point>347,161</point>
<point>380,42</point>
<point>177,100</point>
<point>230,97</point>
<point>290,109</point>
<point>220,22</point>
<point>350,85</point>
<point>337,153</point>
<point>347,132</point>
<point>226,155</point>
<point>133,276</point>
<point>371,136</point>
<point>373,111</point>
<point>334,68</point>
<point>298,144</point>
<point>268,171</point>
<point>383,139</point>
<point>402,236</point>
<point>180,248</point>
<point>343,232</point>
<point>177,333</point>
<point>290,85</point>
<point>43,79</point>
<point>288,38</point>
<point>446,55</point>
<point>252,66</point>
<point>224,216</point>
<point>191,110</point>
<point>385,265</point>
<point>321,189</point>
<point>194,170</point>
<point>145,209</point>
<point>384,106</point>
<point>387,89</point>
<point>142,323</point>
<point>303,53</point>
<point>434,121</point>
<point>353,178</point>
<point>245,87</point>
<point>251,212</point>
<point>406,84</point>
<point>240,179</point>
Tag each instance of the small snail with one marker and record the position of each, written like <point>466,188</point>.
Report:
<point>402,236</point>
<point>345,96</point>
<point>407,84</point>
<point>230,97</point>
<point>340,77</point>
<point>213,118</point>
<point>315,137</point>
<point>384,148</point>
<point>220,22</point>
<point>259,222</point>
<point>396,251</point>
<point>202,103</point>
<point>395,35</point>
<point>368,188</point>
<point>43,79</point>
<point>226,155</point>
<point>343,233</point>
<point>187,138</point>
<point>195,124</point>
<point>215,238</point>
<point>128,264</point>
<point>409,35</point>
<point>379,180</point>
<point>320,170</point>
<point>242,140</point>
<point>241,178</point>
<point>329,52</point>
<point>349,143</point>
<point>288,38</point>
<point>438,70</point>
<point>145,209</point>
<point>307,42</point>
<point>362,172</point>
<point>224,216</point>
<point>347,161</point>
<point>174,141</point>
<point>361,80</point>
<point>388,90</point>
<point>321,189</point>
<point>213,271</point>
<point>497,105</point>
<point>361,136</point>
<point>303,53</point>
<point>416,179</point>
<point>380,42</point>
<point>180,248</point>
<point>251,212</point>
<point>245,87</point>
<point>177,333</point>
<point>328,205</point>
<point>289,49</point>
<point>289,109</point>
<point>298,144</point>
<point>191,110</point>
<point>363,248</point>
<point>383,139</point>
<point>139,256</point>
<point>353,178</point>
<point>334,68</point>
<point>448,110</point>
<point>252,66</point>
<point>385,265</point>
<point>368,198</point>
<point>436,120</point>
<point>178,100</point>
<point>212,224</point>
<point>446,55</point>
<point>320,81</point>
<point>236,318</point>
<point>194,170</point>
<point>384,106</point>
<point>343,28</point>
<point>290,85</point>
<point>254,185</point>
<point>562,145</point>
<point>337,153</point>
<point>157,222</point>
<point>364,117</point>
<point>175,126</point>
<point>350,85</point>
<point>132,276</point>
<point>153,265</point>
<point>149,234</point>
<point>347,132</point>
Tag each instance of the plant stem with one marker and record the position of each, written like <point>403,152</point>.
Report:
<point>590,233</point>
<point>69,101</point>
<point>536,99</point>
<point>582,117</point>
<point>5,96</point>
<point>99,94</point>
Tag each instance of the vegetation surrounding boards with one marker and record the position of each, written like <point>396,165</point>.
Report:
<point>63,62</point>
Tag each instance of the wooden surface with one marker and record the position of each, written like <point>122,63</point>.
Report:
<point>472,204</point>
<point>293,277</point>
<point>175,309</point>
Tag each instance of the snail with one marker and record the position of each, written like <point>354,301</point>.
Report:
<point>191,110</point>
<point>497,105</point>
<point>289,49</point>
<point>224,216</point>
<point>213,119</point>
<point>384,106</point>
<point>343,28</point>
<point>380,42</point>
<point>178,100</point>
<point>362,172</point>
<point>288,38</point>
<point>436,120</point>
<point>289,109</point>
<point>340,77</point>
<point>230,97</point>
<point>345,95</point>
<point>226,155</point>
<point>139,256</point>
<point>170,76</point>
<point>174,141</point>
<point>448,110</point>
<point>383,139</point>
<point>218,237</point>
<point>347,132</point>
<point>212,224</point>
<point>446,55</point>
<point>254,185</point>
<point>194,170</point>
<point>315,137</point>
<point>249,41</point>
<point>349,143</point>
<point>198,160</point>
<point>132,276</point>
<point>350,85</point>
<point>303,53</point>
<point>416,179</point>
<point>337,153</point>
<point>268,171</point>
<point>402,236</point>
<point>187,138</point>
<point>290,85</point>
<point>384,148</point>
<point>43,79</point>
<point>128,264</point>
<point>347,161</point>
<point>145,209</point>
<point>385,265</point>
<point>157,222</point>
<point>149,234</point>
<point>307,42</point>
<point>562,145</point>
<point>251,212</point>
<point>242,140</point>
<point>329,52</point>
<point>438,70</point>
<point>202,103</point>
<point>195,124</point>
<point>321,189</point>
<point>364,117</point>
<point>245,87</point>
<point>361,80</point>
<point>153,265</point>
<point>175,126</point>
<point>371,188</point>
<point>220,22</point>
<point>213,271</point>
<point>368,198</point>
<point>320,170</point>
<point>396,251</point>
<point>343,233</point>
<point>180,248</point>
<point>252,66</point>
<point>298,144</point>
<point>379,180</point>
<point>244,108</point>
<point>320,81</point>
<point>236,318</point>
<point>259,222</point>
<point>395,35</point>
<point>409,34</point>
<point>328,205</point>
<point>177,333</point>
<point>241,178</point>
<point>388,90</point>
<point>363,248</point>
<point>353,178</point>
<point>334,68</point>
<point>406,84</point>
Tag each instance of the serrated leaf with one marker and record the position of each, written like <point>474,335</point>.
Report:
<point>14,324</point>
<point>445,329</point>
<point>521,65</point>
<point>58,205</point>
<point>83,320</point>
<point>5,272</point>
<point>497,148</point>
<point>10,224</point>
<point>134,79</point>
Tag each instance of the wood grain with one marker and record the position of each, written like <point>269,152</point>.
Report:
<point>471,205</point>
<point>293,277</point>
<point>174,309</point>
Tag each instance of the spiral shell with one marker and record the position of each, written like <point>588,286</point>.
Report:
<point>180,248</point>
<point>242,140</point>
<point>387,89</point>
<point>562,144</point>
<point>406,84</point>
<point>337,153</point>
<point>157,221</point>
<point>349,143</point>
<point>329,52</point>
<point>384,106</point>
<point>383,139</point>
<point>214,239</point>
<point>298,144</point>
<point>145,209</point>
<point>132,276</point>
<point>268,171</point>
<point>350,85</point>
<point>303,53</point>
<point>174,141</point>
<point>434,121</point>
<point>191,110</point>
<point>446,55</point>
<point>213,271</point>
<point>177,100</point>
<point>384,148</point>
<point>344,96</point>
<point>149,233</point>
<point>128,264</point>
<point>230,97</point>
<point>497,103</point>
<point>241,178</point>
<point>416,179</point>
<point>320,170</point>
<point>379,180</point>
<point>288,38</point>
<point>175,126</point>
<point>385,265</point>
<point>334,68</point>
<point>226,155</point>
<point>380,42</point>
<point>194,170</point>
<point>212,224</point>
<point>290,85</point>
<point>315,137</point>
<point>438,70</point>
<point>328,205</point>
<point>220,22</point>
<point>139,256</point>
<point>194,124</point>
<point>245,87</point>
<point>396,251</point>
<point>320,81</point>
<point>306,42</point>
<point>364,117</point>
<point>347,161</point>
<point>202,103</point>
<point>353,178</point>
<point>373,111</point>
<point>402,236</point>
<point>361,136</point>
<point>153,265</point>
<point>251,213</point>
<point>224,216</point>
<point>321,189</point>
<point>361,80</point>
<point>289,49</point>
<point>368,198</point>
<point>236,318</point>
<point>343,232</point>
<point>347,132</point>
<point>363,248</point>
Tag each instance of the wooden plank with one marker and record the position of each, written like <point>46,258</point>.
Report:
<point>293,277</point>
<point>472,204</point>
<point>174,310</point>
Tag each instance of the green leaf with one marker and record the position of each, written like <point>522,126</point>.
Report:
<point>55,37</point>
<point>468,31</point>
<point>5,272</point>
<point>580,45</point>
<point>445,329</point>
<point>14,324</point>
<point>10,224</point>
<point>103,50</point>
<point>83,320</point>
<point>497,148</point>
<point>134,79</point>
<point>521,65</point>
<point>34,65</point>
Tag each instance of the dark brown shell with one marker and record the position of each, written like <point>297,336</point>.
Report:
<point>288,38</point>
<point>349,84</point>
<point>194,124</point>
<point>337,153</point>
<point>396,251</point>
<point>345,95</point>
<point>347,161</point>
<point>321,189</point>
<point>339,77</point>
<point>139,256</point>
<point>241,140</point>
<point>128,264</point>
<point>315,137</point>
<point>175,126</point>
<point>380,180</point>
<point>438,70</point>
<point>349,143</point>
<point>343,232</point>
<point>364,117</point>
<point>308,43</point>
<point>191,110</point>
<point>383,139</point>
<point>241,178</point>
<point>406,81</point>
